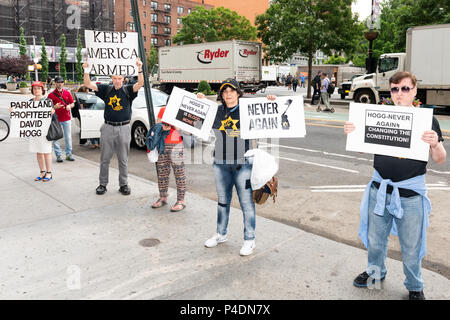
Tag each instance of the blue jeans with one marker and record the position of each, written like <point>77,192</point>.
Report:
<point>66,126</point>
<point>95,141</point>
<point>409,232</point>
<point>227,176</point>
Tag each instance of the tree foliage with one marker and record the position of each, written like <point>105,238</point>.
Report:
<point>305,26</point>
<point>216,24</point>
<point>22,43</point>
<point>9,65</point>
<point>63,58</point>
<point>334,59</point>
<point>79,63</point>
<point>152,59</point>
<point>44,60</point>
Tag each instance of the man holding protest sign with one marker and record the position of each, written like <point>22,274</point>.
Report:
<point>116,131</point>
<point>63,102</point>
<point>396,201</point>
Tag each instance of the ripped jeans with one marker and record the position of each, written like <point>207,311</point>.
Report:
<point>238,175</point>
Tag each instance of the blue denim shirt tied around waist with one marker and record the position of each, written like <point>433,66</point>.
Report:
<point>156,137</point>
<point>416,184</point>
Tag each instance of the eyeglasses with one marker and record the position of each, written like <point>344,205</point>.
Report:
<point>404,89</point>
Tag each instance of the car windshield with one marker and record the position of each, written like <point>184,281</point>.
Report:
<point>159,99</point>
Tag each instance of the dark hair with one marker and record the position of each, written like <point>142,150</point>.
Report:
<point>324,74</point>
<point>399,76</point>
<point>83,89</point>
<point>219,96</point>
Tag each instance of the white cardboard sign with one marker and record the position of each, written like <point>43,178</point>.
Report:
<point>30,119</point>
<point>389,130</point>
<point>111,52</point>
<point>281,118</point>
<point>189,113</point>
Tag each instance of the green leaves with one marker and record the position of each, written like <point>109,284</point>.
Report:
<point>44,60</point>
<point>63,58</point>
<point>217,24</point>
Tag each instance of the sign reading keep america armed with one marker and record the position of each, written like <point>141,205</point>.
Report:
<point>30,118</point>
<point>189,113</point>
<point>389,130</point>
<point>112,53</point>
<point>280,118</point>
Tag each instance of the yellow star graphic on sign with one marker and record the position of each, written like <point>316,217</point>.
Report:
<point>229,122</point>
<point>114,102</point>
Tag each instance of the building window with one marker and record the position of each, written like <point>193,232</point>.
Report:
<point>167,30</point>
<point>189,11</point>
<point>179,21</point>
<point>167,19</point>
<point>154,17</point>
<point>167,7</point>
<point>154,29</point>
<point>180,10</point>
<point>167,42</point>
<point>145,26</point>
<point>154,41</point>
<point>143,2</point>
<point>154,5</point>
<point>145,39</point>
<point>131,26</point>
<point>145,14</point>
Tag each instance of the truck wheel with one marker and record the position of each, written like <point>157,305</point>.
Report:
<point>138,135</point>
<point>365,96</point>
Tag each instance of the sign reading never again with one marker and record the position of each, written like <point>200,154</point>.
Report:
<point>30,118</point>
<point>280,118</point>
<point>112,53</point>
<point>389,130</point>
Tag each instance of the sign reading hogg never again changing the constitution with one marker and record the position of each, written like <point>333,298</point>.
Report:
<point>389,130</point>
<point>112,53</point>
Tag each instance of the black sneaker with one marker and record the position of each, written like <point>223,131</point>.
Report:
<point>100,189</point>
<point>125,190</point>
<point>416,295</point>
<point>361,280</point>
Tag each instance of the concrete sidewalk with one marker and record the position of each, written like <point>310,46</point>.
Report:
<point>59,240</point>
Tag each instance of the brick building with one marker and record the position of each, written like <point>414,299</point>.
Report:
<point>160,19</point>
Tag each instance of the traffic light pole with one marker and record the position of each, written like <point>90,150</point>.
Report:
<point>147,89</point>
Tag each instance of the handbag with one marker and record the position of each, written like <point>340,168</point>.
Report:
<point>55,131</point>
<point>269,189</point>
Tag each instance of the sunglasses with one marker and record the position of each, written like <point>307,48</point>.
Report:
<point>404,89</point>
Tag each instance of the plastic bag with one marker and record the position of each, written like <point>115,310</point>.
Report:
<point>265,167</point>
<point>152,155</point>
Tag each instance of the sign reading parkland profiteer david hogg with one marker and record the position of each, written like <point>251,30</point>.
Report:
<point>189,113</point>
<point>389,130</point>
<point>112,53</point>
<point>30,118</point>
<point>280,118</point>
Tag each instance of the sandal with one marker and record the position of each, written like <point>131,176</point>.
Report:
<point>45,179</point>
<point>159,203</point>
<point>41,176</point>
<point>177,204</point>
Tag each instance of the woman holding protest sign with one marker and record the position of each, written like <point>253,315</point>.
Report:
<point>396,201</point>
<point>231,168</point>
<point>40,145</point>
<point>171,156</point>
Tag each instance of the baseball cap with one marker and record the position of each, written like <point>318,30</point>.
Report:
<point>59,79</point>
<point>230,82</point>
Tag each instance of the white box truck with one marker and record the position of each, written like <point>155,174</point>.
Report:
<point>187,65</point>
<point>427,57</point>
<point>269,75</point>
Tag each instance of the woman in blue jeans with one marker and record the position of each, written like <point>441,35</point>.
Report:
<point>231,168</point>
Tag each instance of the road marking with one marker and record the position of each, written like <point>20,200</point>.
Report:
<point>320,165</point>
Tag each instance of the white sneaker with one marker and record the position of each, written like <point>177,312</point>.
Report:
<point>215,240</point>
<point>247,247</point>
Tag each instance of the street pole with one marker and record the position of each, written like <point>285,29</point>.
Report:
<point>147,90</point>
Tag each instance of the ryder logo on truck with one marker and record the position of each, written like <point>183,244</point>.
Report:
<point>245,53</point>
<point>207,56</point>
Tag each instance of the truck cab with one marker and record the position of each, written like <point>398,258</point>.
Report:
<point>370,88</point>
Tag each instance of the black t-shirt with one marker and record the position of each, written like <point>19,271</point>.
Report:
<point>117,103</point>
<point>399,169</point>
<point>229,147</point>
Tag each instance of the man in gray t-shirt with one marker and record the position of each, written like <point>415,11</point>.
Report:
<point>323,91</point>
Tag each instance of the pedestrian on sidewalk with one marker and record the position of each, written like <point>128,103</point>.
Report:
<point>294,84</point>
<point>316,84</point>
<point>115,133</point>
<point>231,168</point>
<point>302,79</point>
<point>40,145</point>
<point>396,202</point>
<point>324,96</point>
<point>63,102</point>
<point>171,157</point>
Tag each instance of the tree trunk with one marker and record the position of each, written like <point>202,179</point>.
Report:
<point>310,75</point>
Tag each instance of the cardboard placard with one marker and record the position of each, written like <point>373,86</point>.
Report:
<point>30,118</point>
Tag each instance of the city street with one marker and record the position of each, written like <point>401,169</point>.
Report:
<point>320,184</point>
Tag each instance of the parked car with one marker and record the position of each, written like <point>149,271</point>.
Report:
<point>345,86</point>
<point>101,80</point>
<point>92,116</point>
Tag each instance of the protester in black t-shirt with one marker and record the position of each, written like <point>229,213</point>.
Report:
<point>116,131</point>
<point>386,206</point>
<point>231,168</point>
